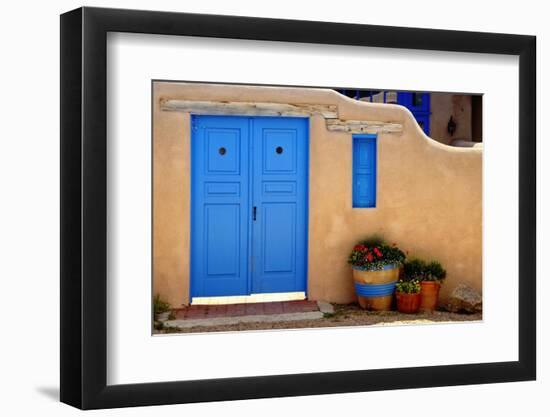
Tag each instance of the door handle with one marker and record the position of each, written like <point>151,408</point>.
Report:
<point>254,213</point>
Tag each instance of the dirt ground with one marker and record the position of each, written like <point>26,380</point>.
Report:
<point>343,316</point>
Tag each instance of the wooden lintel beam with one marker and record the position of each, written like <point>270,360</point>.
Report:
<point>363,126</point>
<point>249,108</point>
<point>328,111</point>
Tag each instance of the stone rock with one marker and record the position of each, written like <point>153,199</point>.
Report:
<point>162,316</point>
<point>325,307</point>
<point>464,299</point>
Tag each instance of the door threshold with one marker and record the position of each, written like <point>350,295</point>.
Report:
<point>249,299</point>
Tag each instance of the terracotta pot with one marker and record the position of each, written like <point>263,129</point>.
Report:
<point>429,293</point>
<point>375,288</point>
<point>408,303</point>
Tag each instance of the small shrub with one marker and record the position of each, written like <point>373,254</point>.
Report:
<point>160,306</point>
<point>408,287</point>
<point>435,271</point>
<point>414,269</point>
<point>417,269</point>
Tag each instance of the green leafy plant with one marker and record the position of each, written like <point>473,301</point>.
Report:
<point>373,254</point>
<point>435,271</point>
<point>408,287</point>
<point>414,269</point>
<point>160,306</point>
<point>417,269</point>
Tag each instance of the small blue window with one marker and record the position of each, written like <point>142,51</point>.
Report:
<point>364,170</point>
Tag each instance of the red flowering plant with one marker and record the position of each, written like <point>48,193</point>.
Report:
<point>374,253</point>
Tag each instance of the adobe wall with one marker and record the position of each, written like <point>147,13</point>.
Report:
<point>429,198</point>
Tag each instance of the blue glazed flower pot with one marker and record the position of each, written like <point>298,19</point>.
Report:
<point>375,288</point>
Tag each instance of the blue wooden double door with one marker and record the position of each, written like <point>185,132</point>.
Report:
<point>248,205</point>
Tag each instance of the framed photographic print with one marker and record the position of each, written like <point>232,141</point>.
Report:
<point>257,208</point>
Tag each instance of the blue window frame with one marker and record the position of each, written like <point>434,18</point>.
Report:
<point>419,105</point>
<point>364,170</point>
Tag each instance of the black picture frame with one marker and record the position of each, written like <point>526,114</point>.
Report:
<point>84,207</point>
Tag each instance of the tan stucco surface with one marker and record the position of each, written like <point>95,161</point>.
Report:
<point>428,200</point>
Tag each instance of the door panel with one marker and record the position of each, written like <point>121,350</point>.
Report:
<point>279,231</point>
<point>280,195</point>
<point>241,163</point>
<point>222,240</point>
<point>220,206</point>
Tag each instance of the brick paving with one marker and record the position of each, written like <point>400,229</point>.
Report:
<point>251,309</point>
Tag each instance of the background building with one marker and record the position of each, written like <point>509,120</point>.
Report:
<point>452,119</point>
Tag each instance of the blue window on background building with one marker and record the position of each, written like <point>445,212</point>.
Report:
<point>417,102</point>
<point>419,105</point>
<point>364,171</point>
